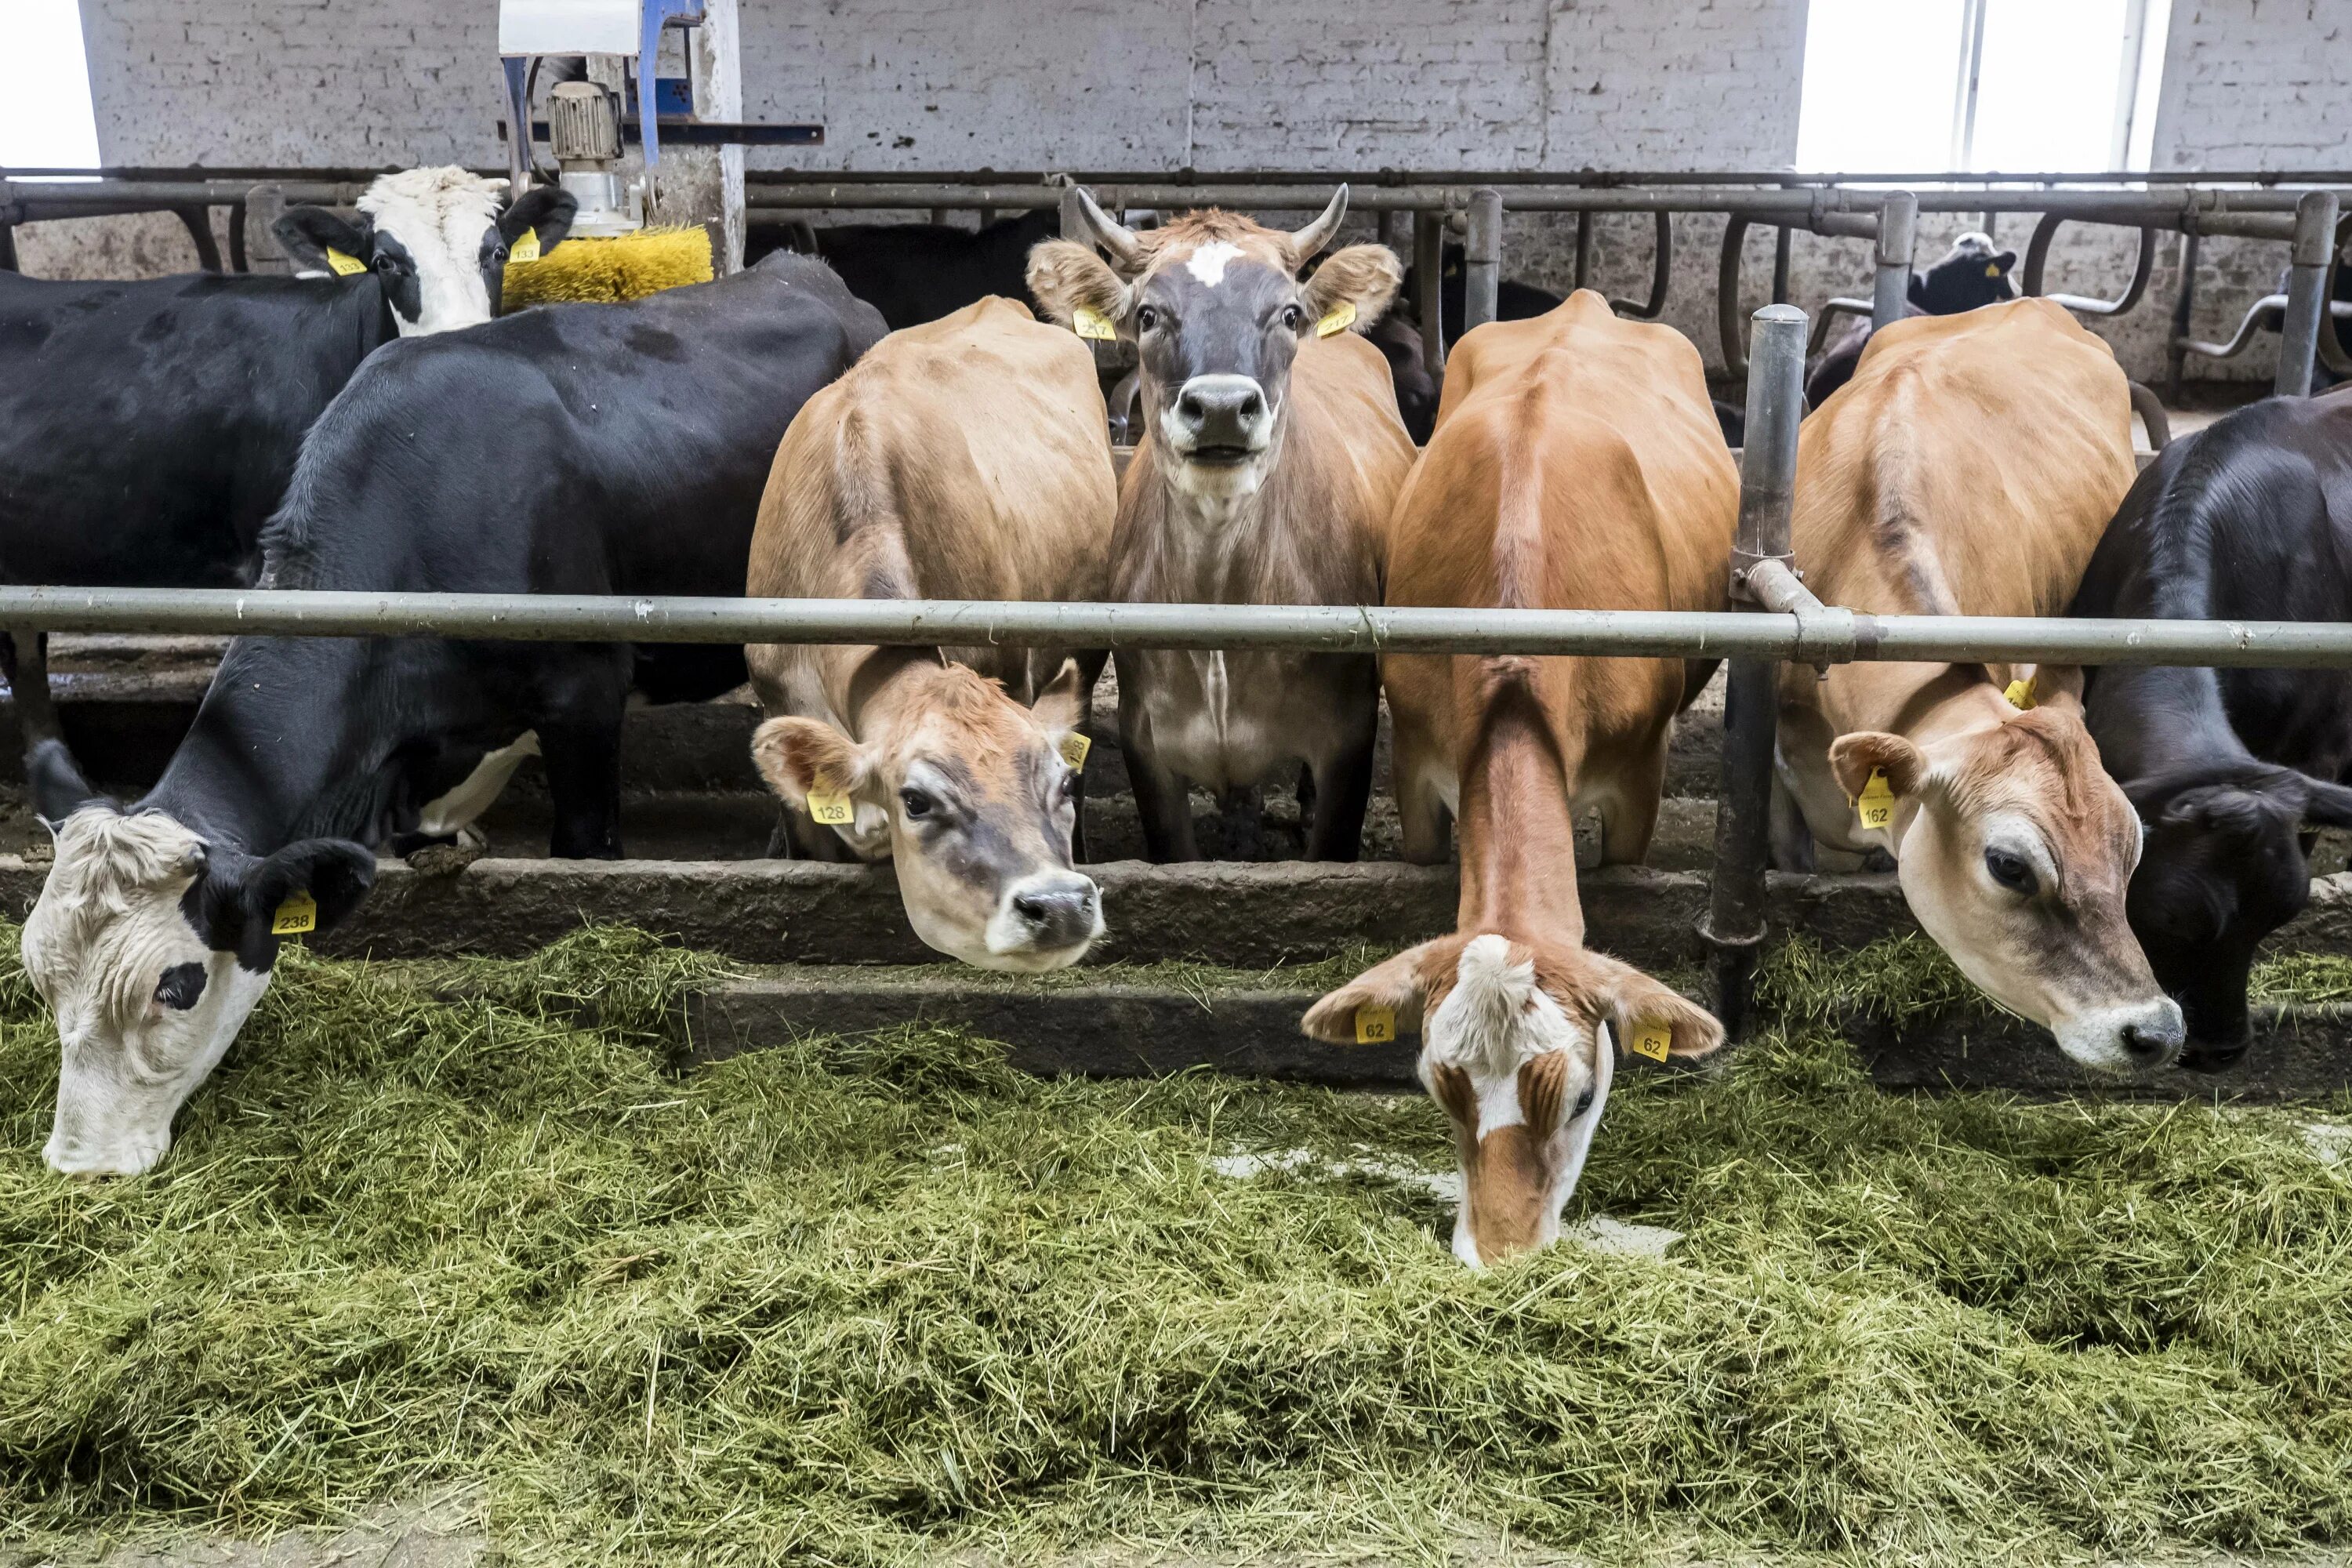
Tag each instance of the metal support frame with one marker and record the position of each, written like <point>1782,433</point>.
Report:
<point>1429,269</point>
<point>2037,260</point>
<point>2307,278</point>
<point>1662,273</point>
<point>1759,573</point>
<point>1898,226</point>
<point>1481,259</point>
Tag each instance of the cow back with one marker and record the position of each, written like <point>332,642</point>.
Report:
<point>1969,467</point>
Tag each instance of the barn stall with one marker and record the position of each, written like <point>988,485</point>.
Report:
<point>686,1206</point>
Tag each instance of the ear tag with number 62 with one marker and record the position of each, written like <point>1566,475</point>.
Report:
<point>1375,1024</point>
<point>297,914</point>
<point>1337,319</point>
<point>342,263</point>
<point>526,248</point>
<point>1875,805</point>
<point>1092,323</point>
<point>2021,692</point>
<point>1074,749</point>
<point>830,807</point>
<point>1653,1040</point>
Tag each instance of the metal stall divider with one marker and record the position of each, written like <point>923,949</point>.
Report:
<point>2306,302</point>
<point>1482,263</point>
<point>1898,227</point>
<point>1761,576</point>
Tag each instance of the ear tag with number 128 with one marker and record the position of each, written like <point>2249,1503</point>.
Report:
<point>1651,1039</point>
<point>1074,749</point>
<point>297,914</point>
<point>830,807</point>
<point>1875,805</point>
<point>1375,1024</point>
<point>342,263</point>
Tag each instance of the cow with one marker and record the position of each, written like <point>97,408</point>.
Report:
<point>571,448</point>
<point>1513,301</point>
<point>2229,769</point>
<point>1969,469</point>
<point>961,459</point>
<point>147,428</point>
<point>1970,275</point>
<point>1271,454</point>
<point>1416,386</point>
<point>917,272</point>
<point>1576,464</point>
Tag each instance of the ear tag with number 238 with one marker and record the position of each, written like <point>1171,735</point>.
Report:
<point>1876,804</point>
<point>297,914</point>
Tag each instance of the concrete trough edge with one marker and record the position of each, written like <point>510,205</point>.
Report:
<point>1127,1030</point>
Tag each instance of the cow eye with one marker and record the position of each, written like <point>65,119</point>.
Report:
<point>1146,319</point>
<point>2010,872</point>
<point>1293,316</point>
<point>1583,1104</point>
<point>915,802</point>
<point>387,262</point>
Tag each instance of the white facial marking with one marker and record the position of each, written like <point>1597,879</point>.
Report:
<point>439,215</point>
<point>1208,262</point>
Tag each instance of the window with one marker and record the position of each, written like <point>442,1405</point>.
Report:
<point>2009,86</point>
<point>45,119</point>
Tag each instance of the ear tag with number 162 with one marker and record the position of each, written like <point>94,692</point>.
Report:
<point>1875,805</point>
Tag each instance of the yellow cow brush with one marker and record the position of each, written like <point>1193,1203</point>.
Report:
<point>606,271</point>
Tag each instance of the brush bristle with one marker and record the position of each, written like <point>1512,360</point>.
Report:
<point>608,272</point>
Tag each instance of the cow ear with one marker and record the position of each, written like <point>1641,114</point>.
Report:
<point>1599,988</point>
<point>58,788</point>
<point>1366,277</point>
<point>1853,758</point>
<point>335,872</point>
<point>1060,705</point>
<point>797,756</point>
<point>1067,278</point>
<point>308,232</point>
<point>2058,686</point>
<point>2005,260</point>
<point>1396,985</point>
<point>2327,806</point>
<point>542,210</point>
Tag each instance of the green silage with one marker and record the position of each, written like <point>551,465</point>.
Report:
<point>864,1301</point>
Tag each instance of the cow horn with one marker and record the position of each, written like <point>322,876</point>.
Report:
<point>1108,232</point>
<point>1309,241</point>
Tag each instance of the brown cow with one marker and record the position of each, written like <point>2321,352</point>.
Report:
<point>1576,464</point>
<point>1969,469</point>
<point>1271,452</point>
<point>966,458</point>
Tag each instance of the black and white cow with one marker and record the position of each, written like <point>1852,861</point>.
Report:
<point>2230,769</point>
<point>147,428</point>
<point>569,449</point>
<point>1970,273</point>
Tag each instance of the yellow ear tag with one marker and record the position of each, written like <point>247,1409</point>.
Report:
<point>1992,268</point>
<point>1093,324</point>
<point>1339,319</point>
<point>526,248</point>
<point>1075,748</point>
<point>830,807</point>
<point>1876,805</point>
<point>1652,1040</point>
<point>2021,693</point>
<point>296,915</point>
<point>1375,1024</point>
<point>342,263</point>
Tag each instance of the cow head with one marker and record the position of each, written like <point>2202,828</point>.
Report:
<point>968,794</point>
<point>436,238</point>
<point>1971,274</point>
<point>2015,850</point>
<point>1515,1046</point>
<point>151,946</point>
<point>1216,311</point>
<point>2223,868</point>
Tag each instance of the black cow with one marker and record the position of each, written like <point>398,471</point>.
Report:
<point>2230,769</point>
<point>570,449</point>
<point>1513,301</point>
<point>147,428</point>
<point>1970,273</point>
<point>917,272</point>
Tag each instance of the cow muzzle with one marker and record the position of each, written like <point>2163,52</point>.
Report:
<point>2126,1040</point>
<point>1221,419</point>
<point>1046,921</point>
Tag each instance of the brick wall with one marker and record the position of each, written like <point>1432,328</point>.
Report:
<point>2260,84</point>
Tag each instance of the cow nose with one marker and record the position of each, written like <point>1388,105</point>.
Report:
<point>1222,411</point>
<point>2154,1038</point>
<point>1060,911</point>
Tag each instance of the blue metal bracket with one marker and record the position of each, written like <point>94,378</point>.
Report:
<point>657,13</point>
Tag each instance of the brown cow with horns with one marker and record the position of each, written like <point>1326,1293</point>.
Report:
<point>1271,454</point>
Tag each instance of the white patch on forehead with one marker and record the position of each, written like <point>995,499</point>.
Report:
<point>440,216</point>
<point>1208,262</point>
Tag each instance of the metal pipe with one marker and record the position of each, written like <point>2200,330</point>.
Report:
<point>1481,259</point>
<point>2037,259</point>
<point>2307,275</point>
<point>1662,270</point>
<point>2184,311</point>
<point>1429,268</point>
<point>1898,223</point>
<point>2332,352</point>
<point>1830,636</point>
<point>1780,243</point>
<point>1584,238</point>
<point>1743,815</point>
<point>2150,409</point>
<point>1726,295</point>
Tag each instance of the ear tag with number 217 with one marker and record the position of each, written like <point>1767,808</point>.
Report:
<point>297,914</point>
<point>1089,323</point>
<point>1337,319</point>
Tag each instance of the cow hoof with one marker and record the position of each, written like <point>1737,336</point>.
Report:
<point>444,859</point>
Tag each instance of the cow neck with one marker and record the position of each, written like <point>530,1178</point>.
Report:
<point>1517,827</point>
<point>281,748</point>
<point>2147,721</point>
<point>1213,539</point>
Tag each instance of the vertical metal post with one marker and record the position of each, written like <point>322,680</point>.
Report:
<point>1393,225</point>
<point>1429,265</point>
<point>1781,264</point>
<point>2315,245</point>
<point>1743,814</point>
<point>264,206</point>
<point>2184,311</point>
<point>1073,216</point>
<point>1898,224</point>
<point>8,248</point>
<point>1583,245</point>
<point>1482,262</point>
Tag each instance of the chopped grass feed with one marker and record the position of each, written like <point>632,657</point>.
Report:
<point>870,1300</point>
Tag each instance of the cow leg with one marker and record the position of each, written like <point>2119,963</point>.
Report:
<point>1241,812</point>
<point>584,781</point>
<point>1420,804</point>
<point>1792,840</point>
<point>26,663</point>
<point>1343,792</point>
<point>1161,802</point>
<point>1629,809</point>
